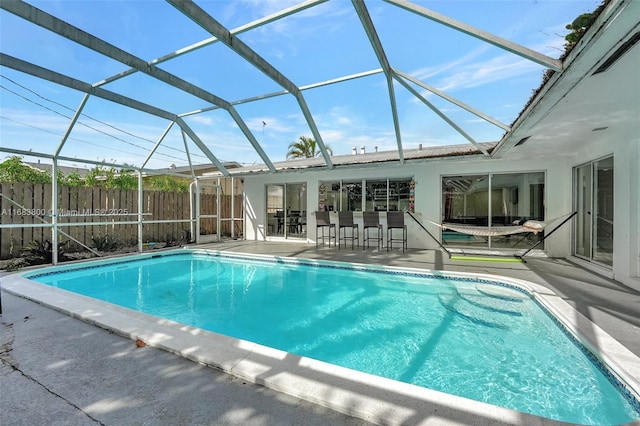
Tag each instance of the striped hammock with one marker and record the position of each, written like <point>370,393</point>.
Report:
<point>534,226</point>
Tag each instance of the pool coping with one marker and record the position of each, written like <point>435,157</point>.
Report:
<point>372,398</point>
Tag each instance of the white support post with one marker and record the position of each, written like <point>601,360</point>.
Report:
<point>244,213</point>
<point>197,211</point>
<point>54,211</point>
<point>218,221</point>
<point>140,208</point>
<point>233,210</point>
<point>192,211</point>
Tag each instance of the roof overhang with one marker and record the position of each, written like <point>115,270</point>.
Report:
<point>573,105</point>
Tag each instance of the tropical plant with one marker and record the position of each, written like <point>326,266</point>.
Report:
<point>578,27</point>
<point>105,243</point>
<point>13,170</point>
<point>306,147</point>
<point>111,178</point>
<point>169,184</point>
<point>126,179</point>
<point>72,179</point>
<point>37,251</point>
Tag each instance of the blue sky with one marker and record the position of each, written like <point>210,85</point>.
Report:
<point>319,44</point>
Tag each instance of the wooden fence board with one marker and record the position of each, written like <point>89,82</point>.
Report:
<point>27,218</point>
<point>170,212</point>
<point>93,230</point>
<point>157,215</point>
<point>85,197</point>
<point>82,203</point>
<point>132,206</point>
<point>6,209</point>
<point>47,197</point>
<point>38,211</point>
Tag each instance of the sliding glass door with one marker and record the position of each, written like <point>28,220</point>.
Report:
<point>487,200</point>
<point>593,229</point>
<point>465,200</point>
<point>287,210</point>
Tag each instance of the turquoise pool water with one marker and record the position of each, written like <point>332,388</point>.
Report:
<point>475,339</point>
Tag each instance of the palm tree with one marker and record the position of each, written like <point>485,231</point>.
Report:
<point>306,148</point>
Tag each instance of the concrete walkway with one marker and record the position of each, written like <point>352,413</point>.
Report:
<point>55,369</point>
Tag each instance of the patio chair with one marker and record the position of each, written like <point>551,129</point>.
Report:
<point>371,220</point>
<point>323,222</point>
<point>280,219</point>
<point>395,222</point>
<point>295,225</point>
<point>345,221</point>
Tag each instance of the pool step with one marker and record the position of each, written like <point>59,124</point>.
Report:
<point>498,292</point>
<point>472,313</point>
<point>479,303</point>
<point>500,306</point>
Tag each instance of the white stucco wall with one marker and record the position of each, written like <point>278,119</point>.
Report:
<point>428,197</point>
<point>558,196</point>
<point>626,239</point>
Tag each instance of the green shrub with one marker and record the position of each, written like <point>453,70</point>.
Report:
<point>105,243</point>
<point>37,251</point>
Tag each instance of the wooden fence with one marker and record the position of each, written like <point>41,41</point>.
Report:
<point>31,205</point>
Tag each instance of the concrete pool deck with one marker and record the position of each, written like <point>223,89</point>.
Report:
<point>56,367</point>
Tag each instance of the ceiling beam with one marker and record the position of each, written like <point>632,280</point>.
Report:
<point>442,115</point>
<point>285,92</point>
<point>206,21</point>
<point>72,83</point>
<point>81,86</point>
<point>211,40</point>
<point>72,124</point>
<point>485,36</point>
<point>370,30</point>
<point>52,23</point>
<point>194,137</point>
<point>58,26</point>
<point>453,100</point>
<point>157,144</point>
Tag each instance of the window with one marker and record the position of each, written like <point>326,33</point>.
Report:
<point>376,195</point>
<point>329,196</point>
<point>351,196</point>
<point>379,195</point>
<point>492,200</point>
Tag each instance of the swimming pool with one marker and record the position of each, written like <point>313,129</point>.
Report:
<point>355,318</point>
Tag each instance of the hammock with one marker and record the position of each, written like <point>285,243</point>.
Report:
<point>534,226</point>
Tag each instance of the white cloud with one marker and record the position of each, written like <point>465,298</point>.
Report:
<point>288,36</point>
<point>427,72</point>
<point>484,72</point>
<point>199,118</point>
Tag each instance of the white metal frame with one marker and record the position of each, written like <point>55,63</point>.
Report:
<point>230,38</point>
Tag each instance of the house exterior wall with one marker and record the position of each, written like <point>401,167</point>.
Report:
<point>625,149</point>
<point>428,175</point>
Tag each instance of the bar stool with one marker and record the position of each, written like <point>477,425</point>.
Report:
<point>395,221</point>
<point>371,220</point>
<point>345,221</point>
<point>323,222</point>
